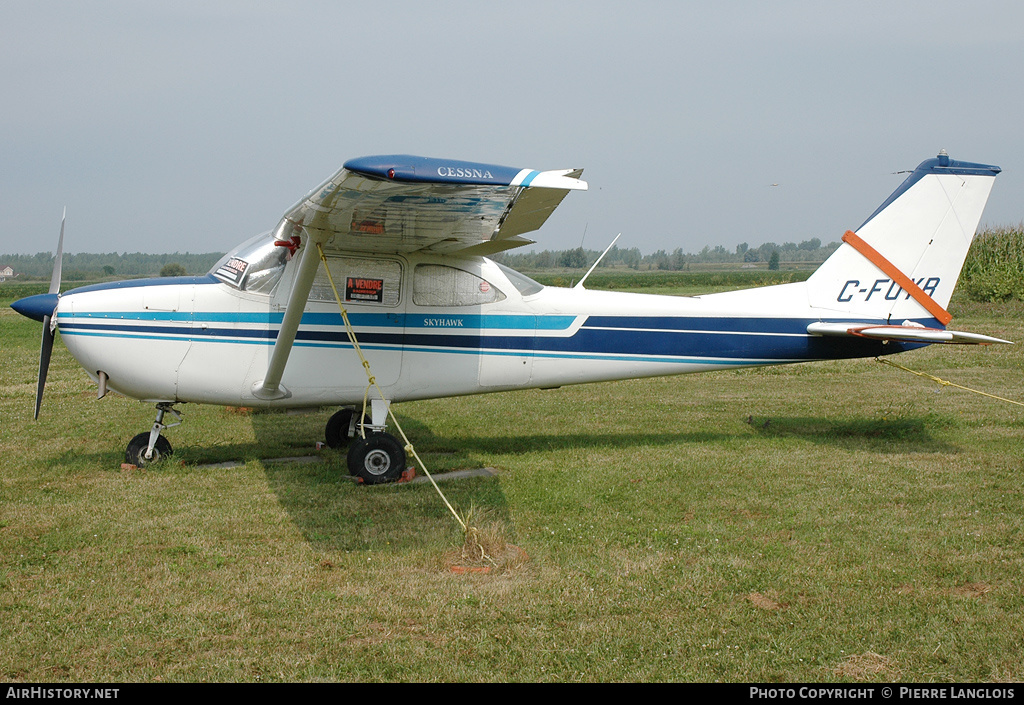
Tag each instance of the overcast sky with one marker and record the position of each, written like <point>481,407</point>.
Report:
<point>190,126</point>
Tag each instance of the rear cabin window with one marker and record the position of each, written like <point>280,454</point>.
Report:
<point>525,285</point>
<point>440,285</point>
<point>359,281</point>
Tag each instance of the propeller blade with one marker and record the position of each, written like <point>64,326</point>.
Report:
<point>55,277</point>
<point>46,346</point>
<point>45,350</point>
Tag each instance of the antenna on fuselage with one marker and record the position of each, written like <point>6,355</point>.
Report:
<point>579,284</point>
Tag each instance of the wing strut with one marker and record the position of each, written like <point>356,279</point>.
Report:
<point>269,388</point>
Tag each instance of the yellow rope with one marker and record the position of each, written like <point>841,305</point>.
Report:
<point>945,383</point>
<point>372,384</point>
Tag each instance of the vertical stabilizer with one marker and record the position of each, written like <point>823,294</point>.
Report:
<point>904,261</point>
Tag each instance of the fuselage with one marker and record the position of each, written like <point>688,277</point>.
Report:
<point>430,327</point>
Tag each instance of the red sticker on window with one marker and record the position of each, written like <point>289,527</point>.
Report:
<point>359,289</point>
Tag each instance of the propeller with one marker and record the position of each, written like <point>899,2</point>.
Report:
<point>46,347</point>
<point>42,307</point>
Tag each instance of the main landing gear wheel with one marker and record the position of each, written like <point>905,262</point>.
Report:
<point>376,459</point>
<point>342,428</point>
<point>136,452</point>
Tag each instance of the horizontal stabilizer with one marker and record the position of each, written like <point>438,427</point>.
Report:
<point>905,334</point>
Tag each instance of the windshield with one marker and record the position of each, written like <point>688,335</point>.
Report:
<point>254,266</point>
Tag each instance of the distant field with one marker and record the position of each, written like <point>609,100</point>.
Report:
<point>689,283</point>
<point>823,522</point>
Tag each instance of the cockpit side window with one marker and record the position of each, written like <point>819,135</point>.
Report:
<point>255,266</point>
<point>440,285</point>
<point>360,280</point>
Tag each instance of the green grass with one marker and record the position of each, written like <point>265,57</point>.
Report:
<point>823,522</point>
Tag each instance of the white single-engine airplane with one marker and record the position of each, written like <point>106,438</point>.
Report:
<point>406,240</point>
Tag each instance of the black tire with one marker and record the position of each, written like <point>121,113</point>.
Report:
<point>376,459</point>
<point>136,452</point>
<point>336,434</point>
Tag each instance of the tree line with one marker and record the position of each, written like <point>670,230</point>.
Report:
<point>807,251</point>
<point>112,265</point>
<point>994,270</point>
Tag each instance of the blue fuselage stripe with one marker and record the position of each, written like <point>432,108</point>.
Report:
<point>606,337</point>
<point>365,320</point>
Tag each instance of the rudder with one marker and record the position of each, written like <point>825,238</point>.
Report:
<point>904,261</point>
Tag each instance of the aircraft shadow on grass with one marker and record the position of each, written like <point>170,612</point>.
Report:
<point>297,437</point>
<point>360,520</point>
<point>312,490</point>
<point>899,433</point>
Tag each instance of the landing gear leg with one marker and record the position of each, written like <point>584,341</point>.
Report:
<point>150,447</point>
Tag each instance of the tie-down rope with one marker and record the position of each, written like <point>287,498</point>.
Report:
<point>945,383</point>
<point>372,383</point>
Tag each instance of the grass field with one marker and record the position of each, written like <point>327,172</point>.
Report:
<point>824,522</point>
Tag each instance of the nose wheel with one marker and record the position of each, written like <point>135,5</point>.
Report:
<point>150,447</point>
<point>138,446</point>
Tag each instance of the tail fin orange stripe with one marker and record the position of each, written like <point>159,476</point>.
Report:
<point>876,258</point>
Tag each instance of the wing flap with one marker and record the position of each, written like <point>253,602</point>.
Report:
<point>530,210</point>
<point>907,334</point>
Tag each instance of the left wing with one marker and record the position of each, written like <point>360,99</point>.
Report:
<point>906,334</point>
<point>401,204</point>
